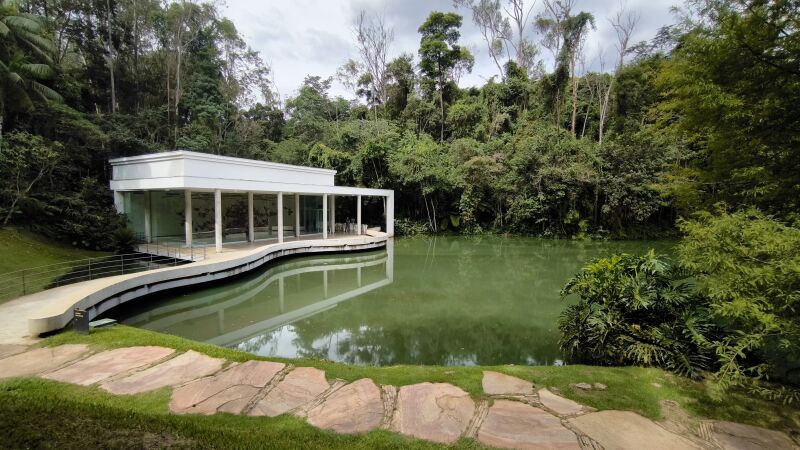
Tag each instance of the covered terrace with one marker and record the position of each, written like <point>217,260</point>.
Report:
<point>190,198</point>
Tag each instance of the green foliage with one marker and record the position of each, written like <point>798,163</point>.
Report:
<point>123,239</point>
<point>636,310</point>
<point>408,227</point>
<point>25,161</point>
<point>732,87</point>
<point>26,55</point>
<point>748,265</point>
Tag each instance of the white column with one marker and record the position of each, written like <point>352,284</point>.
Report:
<point>333,214</point>
<point>218,220</point>
<point>251,232</point>
<point>297,215</point>
<point>390,259</point>
<point>280,216</point>
<point>390,214</point>
<point>148,232</point>
<point>119,201</point>
<point>281,291</point>
<point>324,216</point>
<point>358,214</point>
<point>187,222</point>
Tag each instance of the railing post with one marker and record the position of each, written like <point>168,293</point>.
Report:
<point>122,258</point>
<point>90,268</point>
<point>23,283</point>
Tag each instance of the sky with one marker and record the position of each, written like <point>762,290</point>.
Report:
<point>315,37</point>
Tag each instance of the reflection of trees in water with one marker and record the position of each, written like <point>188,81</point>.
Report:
<point>482,300</point>
<point>449,341</point>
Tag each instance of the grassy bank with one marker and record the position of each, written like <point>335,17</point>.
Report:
<point>24,249</point>
<point>45,414</point>
<point>629,388</point>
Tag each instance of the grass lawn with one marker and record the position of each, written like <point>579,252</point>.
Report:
<point>45,414</point>
<point>629,388</point>
<point>23,249</point>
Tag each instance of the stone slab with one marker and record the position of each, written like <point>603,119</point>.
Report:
<point>737,436</point>
<point>618,430</point>
<point>299,387</point>
<point>109,363</point>
<point>559,405</point>
<point>178,370</point>
<point>41,360</point>
<point>517,425</point>
<point>7,350</point>
<point>355,408</point>
<point>495,383</point>
<point>438,412</point>
<point>227,391</point>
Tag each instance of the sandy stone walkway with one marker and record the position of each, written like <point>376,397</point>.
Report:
<point>514,414</point>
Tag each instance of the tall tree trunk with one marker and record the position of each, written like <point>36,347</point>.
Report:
<point>136,54</point>
<point>441,105</point>
<point>604,111</point>
<point>588,108</point>
<point>177,88</point>
<point>574,95</point>
<point>110,50</point>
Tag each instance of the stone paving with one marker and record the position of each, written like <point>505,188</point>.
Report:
<point>513,414</point>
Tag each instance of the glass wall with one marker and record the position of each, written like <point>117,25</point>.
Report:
<point>311,214</point>
<point>265,216</point>
<point>288,216</point>
<point>202,218</point>
<point>166,216</point>
<point>133,207</point>
<point>234,217</point>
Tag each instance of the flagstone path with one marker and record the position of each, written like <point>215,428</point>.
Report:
<point>513,415</point>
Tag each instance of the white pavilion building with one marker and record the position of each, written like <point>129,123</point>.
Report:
<point>190,198</point>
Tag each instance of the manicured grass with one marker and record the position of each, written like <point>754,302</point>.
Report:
<point>45,414</point>
<point>629,388</point>
<point>24,249</point>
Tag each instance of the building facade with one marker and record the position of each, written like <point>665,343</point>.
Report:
<point>190,198</point>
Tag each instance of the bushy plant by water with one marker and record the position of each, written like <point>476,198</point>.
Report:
<point>637,310</point>
<point>748,265</point>
<point>738,319</point>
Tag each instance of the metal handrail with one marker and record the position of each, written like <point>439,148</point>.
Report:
<point>150,256</point>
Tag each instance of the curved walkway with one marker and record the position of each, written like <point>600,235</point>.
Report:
<point>514,414</point>
<point>27,317</point>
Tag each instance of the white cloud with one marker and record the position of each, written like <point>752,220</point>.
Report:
<point>314,37</point>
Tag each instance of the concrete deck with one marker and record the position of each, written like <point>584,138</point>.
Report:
<point>25,318</point>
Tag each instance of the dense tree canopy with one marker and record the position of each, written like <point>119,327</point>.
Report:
<point>704,112</point>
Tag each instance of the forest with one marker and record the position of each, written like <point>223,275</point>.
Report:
<point>693,133</point>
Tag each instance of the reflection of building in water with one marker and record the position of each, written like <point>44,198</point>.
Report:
<point>233,314</point>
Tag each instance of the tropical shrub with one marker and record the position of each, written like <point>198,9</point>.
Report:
<point>748,265</point>
<point>408,227</point>
<point>637,310</point>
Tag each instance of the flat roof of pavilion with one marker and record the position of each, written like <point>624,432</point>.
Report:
<point>188,170</point>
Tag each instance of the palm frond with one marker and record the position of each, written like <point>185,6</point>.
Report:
<point>43,43</point>
<point>38,71</point>
<point>45,92</point>
<point>19,23</point>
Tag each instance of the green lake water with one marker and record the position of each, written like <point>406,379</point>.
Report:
<point>443,300</point>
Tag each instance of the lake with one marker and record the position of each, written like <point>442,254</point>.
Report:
<point>424,300</point>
